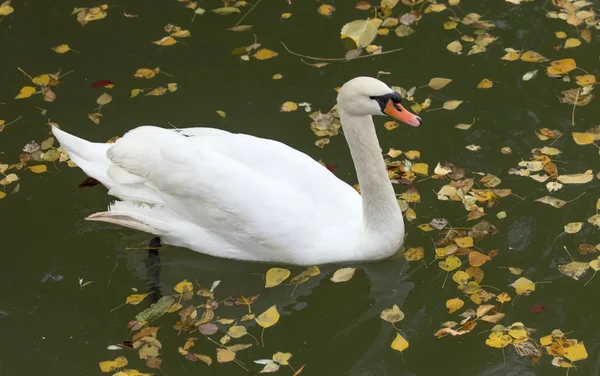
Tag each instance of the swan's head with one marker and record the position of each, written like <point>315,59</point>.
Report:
<point>363,96</point>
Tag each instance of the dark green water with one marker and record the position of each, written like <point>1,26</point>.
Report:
<point>56,328</point>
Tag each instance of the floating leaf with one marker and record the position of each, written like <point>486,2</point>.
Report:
<point>450,263</point>
<point>105,98</point>
<point>563,66</point>
<point>529,75</point>
<point>26,92</point>
<point>399,343</point>
<point>573,227</point>
<point>362,32</point>
<point>264,54</point>
<point>166,41</point>
<point>183,287</point>
<point>392,315</point>
<point>38,168</point>
<point>583,138</point>
<point>478,258</point>
<point>485,84</point>
<point>326,10</point>
<point>454,305</point>
<point>414,254</point>
<point>289,107</point>
<point>437,83</point>
<point>454,47</point>
<point>275,276</point>
<point>451,105</point>
<point>61,49</point>
<point>572,42</point>
<point>552,201</point>
<point>343,275</point>
<point>586,177</point>
<point>464,242</point>
<point>576,352</point>
<point>224,11</point>
<point>523,286</point>
<point>498,340</point>
<point>574,269</point>
<point>268,318</point>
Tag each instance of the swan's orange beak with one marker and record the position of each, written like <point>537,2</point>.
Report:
<point>397,111</point>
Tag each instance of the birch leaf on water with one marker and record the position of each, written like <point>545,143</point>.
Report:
<point>437,83</point>
<point>451,105</point>
<point>362,32</point>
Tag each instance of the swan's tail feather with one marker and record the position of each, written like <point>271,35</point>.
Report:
<point>133,216</point>
<point>89,156</point>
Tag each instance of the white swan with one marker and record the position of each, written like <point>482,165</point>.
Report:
<point>247,198</point>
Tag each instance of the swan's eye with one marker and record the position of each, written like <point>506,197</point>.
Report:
<point>383,100</point>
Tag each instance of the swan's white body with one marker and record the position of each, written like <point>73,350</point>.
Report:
<point>247,198</point>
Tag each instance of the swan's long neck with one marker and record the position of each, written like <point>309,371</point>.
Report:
<point>382,217</point>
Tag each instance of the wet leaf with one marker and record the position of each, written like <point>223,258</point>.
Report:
<point>454,305</point>
<point>523,286</point>
<point>399,343</point>
<point>586,177</point>
<point>485,84</point>
<point>343,275</point>
<point>532,57</point>
<point>268,318</point>
<point>112,365</point>
<point>574,269</point>
<point>6,9</point>
<point>275,276</point>
<point>450,263</point>
<point>552,201</point>
<point>156,92</point>
<point>576,352</point>
<point>420,168</point>
<point>38,168</point>
<point>560,67</point>
<point>289,107</point>
<point>437,83</point>
<point>135,299</point>
<point>62,49</point>
<point>224,355</point>
<point>478,258</point>
<point>573,227</point>
<point>224,11</point>
<point>454,47</point>
<point>183,287</point>
<point>465,242</point>
<point>529,75</point>
<point>572,42</point>
<point>26,92</point>
<point>326,10</point>
<point>392,315</point>
<point>264,54</point>
<point>105,98</point>
<point>362,32</point>
<point>498,340</point>
<point>221,114</point>
<point>414,254</point>
<point>451,105</point>
<point>156,310</point>
<point>588,79</point>
<point>146,73</point>
<point>166,41</point>
<point>583,138</point>
<point>389,125</point>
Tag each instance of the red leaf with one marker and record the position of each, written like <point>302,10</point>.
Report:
<point>331,167</point>
<point>538,308</point>
<point>102,83</point>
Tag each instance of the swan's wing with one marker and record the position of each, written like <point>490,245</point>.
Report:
<point>252,192</point>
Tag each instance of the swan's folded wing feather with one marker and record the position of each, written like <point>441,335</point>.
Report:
<point>250,201</point>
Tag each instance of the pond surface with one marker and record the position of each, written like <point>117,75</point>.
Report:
<point>50,324</point>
